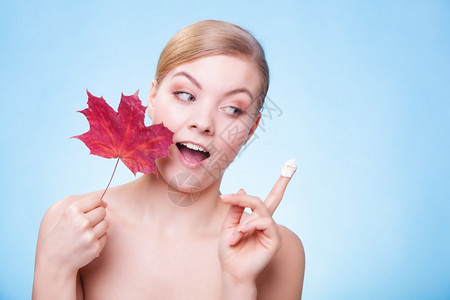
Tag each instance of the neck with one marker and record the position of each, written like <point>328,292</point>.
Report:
<point>172,212</point>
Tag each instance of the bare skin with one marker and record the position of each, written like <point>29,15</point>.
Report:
<point>143,246</point>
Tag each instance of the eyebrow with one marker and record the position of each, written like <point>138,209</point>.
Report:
<point>195,82</point>
<point>241,90</point>
<point>192,79</point>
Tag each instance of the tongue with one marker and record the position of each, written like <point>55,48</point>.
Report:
<point>192,155</point>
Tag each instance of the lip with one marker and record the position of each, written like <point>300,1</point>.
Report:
<point>190,164</point>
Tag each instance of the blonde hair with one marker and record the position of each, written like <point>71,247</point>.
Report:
<point>210,37</point>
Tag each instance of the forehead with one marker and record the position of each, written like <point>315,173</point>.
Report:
<point>221,72</point>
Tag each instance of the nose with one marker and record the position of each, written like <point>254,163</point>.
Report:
<point>203,121</point>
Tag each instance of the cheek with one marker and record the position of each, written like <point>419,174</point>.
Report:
<point>163,114</point>
<point>234,134</point>
<point>228,143</point>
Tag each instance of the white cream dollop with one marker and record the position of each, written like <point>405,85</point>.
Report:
<point>289,168</point>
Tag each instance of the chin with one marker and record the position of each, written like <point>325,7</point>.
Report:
<point>183,179</point>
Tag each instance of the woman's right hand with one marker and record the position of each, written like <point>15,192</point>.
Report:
<point>77,236</point>
<point>72,234</point>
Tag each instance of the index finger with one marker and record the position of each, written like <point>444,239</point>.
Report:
<point>90,202</point>
<point>276,194</point>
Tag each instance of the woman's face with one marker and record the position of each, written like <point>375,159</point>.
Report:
<point>211,106</point>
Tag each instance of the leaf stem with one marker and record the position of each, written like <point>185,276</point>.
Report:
<point>111,178</point>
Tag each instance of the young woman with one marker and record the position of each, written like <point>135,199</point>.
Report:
<point>148,242</point>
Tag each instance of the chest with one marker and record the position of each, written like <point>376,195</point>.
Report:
<point>137,266</point>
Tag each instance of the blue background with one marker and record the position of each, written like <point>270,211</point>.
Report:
<point>363,88</point>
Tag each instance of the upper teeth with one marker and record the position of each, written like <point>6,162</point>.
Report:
<point>194,147</point>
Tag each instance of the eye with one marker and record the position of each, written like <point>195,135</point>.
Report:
<point>233,111</point>
<point>184,96</point>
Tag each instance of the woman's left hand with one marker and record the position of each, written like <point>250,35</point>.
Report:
<point>248,242</point>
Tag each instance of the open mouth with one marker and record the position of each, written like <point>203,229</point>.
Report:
<point>193,153</point>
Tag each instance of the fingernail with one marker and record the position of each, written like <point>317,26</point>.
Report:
<point>241,192</point>
<point>224,196</point>
<point>242,227</point>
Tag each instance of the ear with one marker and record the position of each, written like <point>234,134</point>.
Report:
<point>151,99</point>
<point>254,126</point>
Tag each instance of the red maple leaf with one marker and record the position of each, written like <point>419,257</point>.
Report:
<point>123,134</point>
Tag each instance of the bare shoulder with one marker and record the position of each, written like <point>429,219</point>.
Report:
<point>292,246</point>
<point>56,210</point>
<point>114,196</point>
<point>283,277</point>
